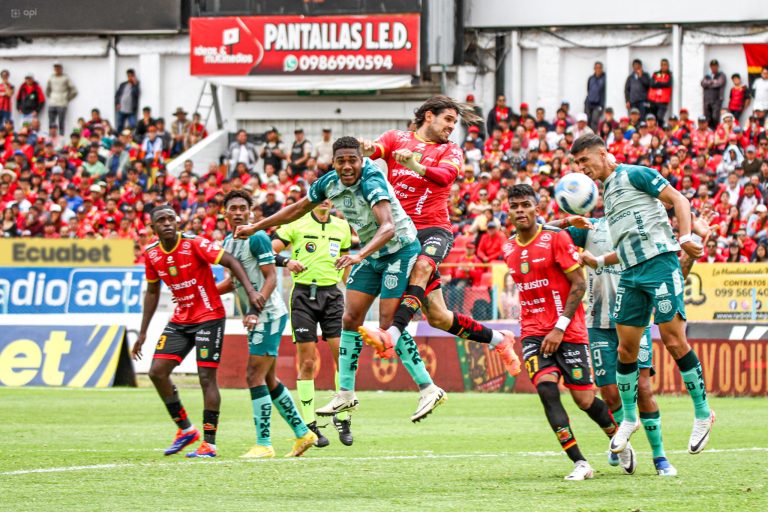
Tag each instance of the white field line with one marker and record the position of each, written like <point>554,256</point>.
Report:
<point>65,469</point>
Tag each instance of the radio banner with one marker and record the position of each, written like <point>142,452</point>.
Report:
<point>39,252</point>
<point>298,45</point>
<point>72,356</point>
<point>727,291</point>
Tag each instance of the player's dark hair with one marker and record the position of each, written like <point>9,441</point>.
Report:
<point>437,104</point>
<point>586,141</point>
<point>521,191</point>
<point>238,194</point>
<point>346,142</point>
<point>161,208</point>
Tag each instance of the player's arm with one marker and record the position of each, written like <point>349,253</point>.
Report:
<point>237,270</point>
<point>284,216</point>
<point>443,174</point>
<point>576,221</point>
<point>587,258</point>
<point>575,295</point>
<point>382,211</point>
<point>701,227</point>
<point>683,215</point>
<point>225,286</point>
<point>151,299</point>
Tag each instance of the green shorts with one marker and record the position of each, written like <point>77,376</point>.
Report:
<point>654,285</point>
<point>387,275</point>
<point>264,340</point>
<point>604,345</point>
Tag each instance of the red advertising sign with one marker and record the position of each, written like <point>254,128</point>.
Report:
<point>300,45</point>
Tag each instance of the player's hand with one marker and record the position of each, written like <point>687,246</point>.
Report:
<point>405,158</point>
<point>136,350</point>
<point>295,266</point>
<point>693,249</point>
<point>257,299</point>
<point>250,321</point>
<point>348,260</point>
<point>580,222</point>
<point>587,258</point>
<point>245,231</point>
<point>551,342</point>
<point>367,147</point>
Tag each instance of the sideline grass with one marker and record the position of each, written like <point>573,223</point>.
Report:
<point>477,452</point>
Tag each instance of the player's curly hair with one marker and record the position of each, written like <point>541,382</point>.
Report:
<point>437,104</point>
<point>521,191</point>
<point>346,142</point>
<point>238,194</point>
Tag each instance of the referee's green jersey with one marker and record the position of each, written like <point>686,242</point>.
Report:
<point>317,245</point>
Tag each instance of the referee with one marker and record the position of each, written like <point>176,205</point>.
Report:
<point>317,240</point>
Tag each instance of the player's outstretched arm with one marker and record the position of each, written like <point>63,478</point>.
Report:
<point>382,211</point>
<point>577,221</point>
<point>578,288</point>
<point>237,270</point>
<point>151,299</point>
<point>286,215</point>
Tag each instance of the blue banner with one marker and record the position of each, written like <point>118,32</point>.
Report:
<point>57,290</point>
<point>73,356</point>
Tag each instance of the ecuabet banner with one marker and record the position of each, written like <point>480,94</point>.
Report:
<point>727,291</point>
<point>40,252</point>
<point>298,45</point>
<point>72,356</point>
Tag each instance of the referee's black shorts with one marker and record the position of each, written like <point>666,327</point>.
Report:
<point>325,309</point>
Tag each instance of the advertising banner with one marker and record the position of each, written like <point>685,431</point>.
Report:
<point>58,290</point>
<point>39,252</point>
<point>727,291</point>
<point>298,45</point>
<point>72,356</point>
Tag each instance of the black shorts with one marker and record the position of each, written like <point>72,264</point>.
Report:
<point>571,361</point>
<point>178,339</point>
<point>436,243</point>
<point>325,309</point>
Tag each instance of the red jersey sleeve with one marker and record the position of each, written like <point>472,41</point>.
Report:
<point>565,253</point>
<point>149,270</point>
<point>447,169</point>
<point>383,145</point>
<point>208,251</point>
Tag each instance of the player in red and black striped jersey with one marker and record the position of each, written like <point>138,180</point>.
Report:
<point>422,166</point>
<point>183,263</point>
<point>544,264</point>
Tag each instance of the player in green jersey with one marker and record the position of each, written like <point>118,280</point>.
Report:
<point>316,241</point>
<point>267,324</point>
<point>651,278</point>
<point>381,268</point>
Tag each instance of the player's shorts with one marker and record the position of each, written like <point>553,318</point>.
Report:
<point>571,361</point>
<point>264,340</point>
<point>436,243</point>
<point>386,276</point>
<point>178,339</point>
<point>654,285</point>
<point>325,309</point>
<point>604,345</point>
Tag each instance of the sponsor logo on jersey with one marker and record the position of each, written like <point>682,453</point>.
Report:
<point>390,281</point>
<point>203,353</point>
<point>546,237</point>
<point>310,247</point>
<point>665,306</point>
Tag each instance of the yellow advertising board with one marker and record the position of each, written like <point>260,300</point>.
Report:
<point>40,252</point>
<point>727,291</point>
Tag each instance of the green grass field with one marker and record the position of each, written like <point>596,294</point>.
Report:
<point>69,450</point>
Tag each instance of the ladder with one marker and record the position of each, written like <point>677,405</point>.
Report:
<point>208,102</point>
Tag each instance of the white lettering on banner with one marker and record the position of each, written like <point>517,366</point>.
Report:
<point>335,36</point>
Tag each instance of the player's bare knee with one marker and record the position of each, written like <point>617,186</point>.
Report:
<point>583,400</point>
<point>440,318</point>
<point>158,374</point>
<point>610,395</point>
<point>351,321</point>
<point>628,353</point>
<point>307,368</point>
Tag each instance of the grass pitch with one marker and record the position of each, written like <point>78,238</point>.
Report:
<point>71,450</point>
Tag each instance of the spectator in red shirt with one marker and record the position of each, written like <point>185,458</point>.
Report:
<point>712,255</point>
<point>491,243</point>
<point>739,97</point>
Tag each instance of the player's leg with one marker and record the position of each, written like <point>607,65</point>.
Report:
<point>256,373</point>
<point>603,345</point>
<point>171,349</point>
<point>209,337</point>
<point>670,316</point>
<point>544,375</point>
<point>330,326</point>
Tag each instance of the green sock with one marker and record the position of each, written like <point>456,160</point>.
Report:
<point>626,380</point>
<point>409,354</point>
<point>618,414</point>
<point>306,389</point>
<point>652,425</point>
<point>349,352</point>
<point>283,400</point>
<point>262,414</point>
<point>693,377</point>
<point>342,415</point>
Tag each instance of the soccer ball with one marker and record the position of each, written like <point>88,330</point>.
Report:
<point>576,194</point>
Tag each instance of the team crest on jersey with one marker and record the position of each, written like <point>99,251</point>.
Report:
<point>577,373</point>
<point>524,267</point>
<point>173,271</point>
<point>203,353</point>
<point>347,201</point>
<point>310,247</point>
<point>431,250</point>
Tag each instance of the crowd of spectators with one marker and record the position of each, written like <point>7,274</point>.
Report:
<point>102,180</point>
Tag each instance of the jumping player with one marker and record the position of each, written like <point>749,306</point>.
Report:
<point>422,166</point>
<point>183,262</point>
<point>544,264</point>
<point>381,268</point>
<point>267,325</point>
<point>651,278</point>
